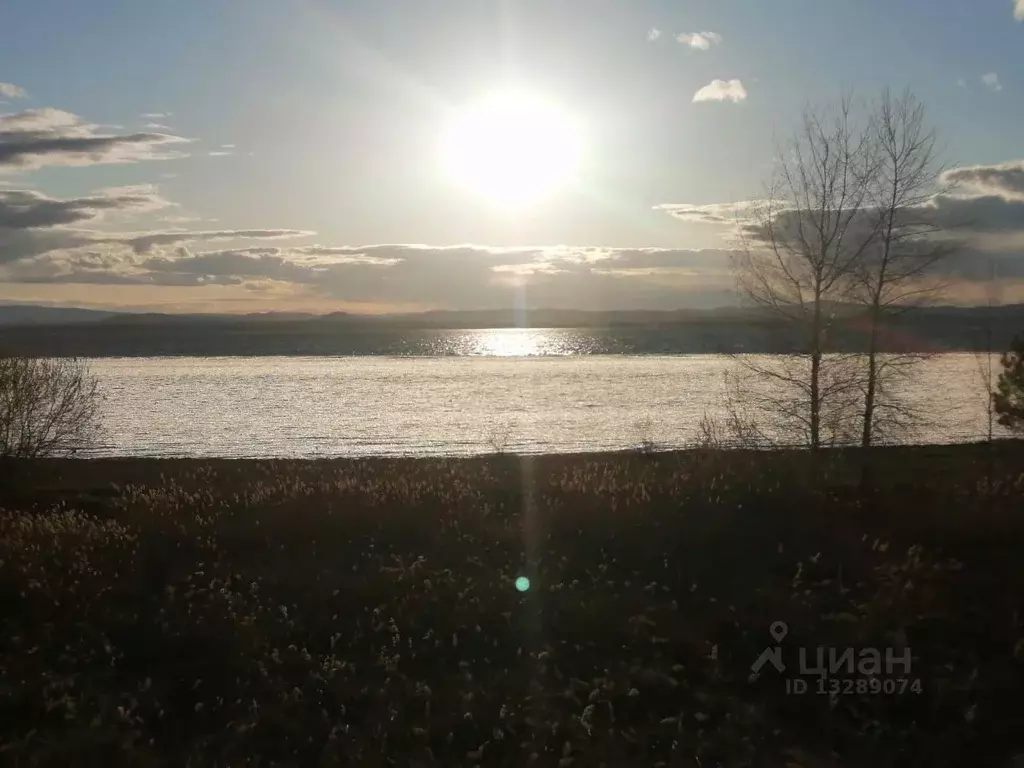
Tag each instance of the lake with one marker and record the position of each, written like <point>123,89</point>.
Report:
<point>514,390</point>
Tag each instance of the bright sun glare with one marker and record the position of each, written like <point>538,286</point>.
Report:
<point>513,148</point>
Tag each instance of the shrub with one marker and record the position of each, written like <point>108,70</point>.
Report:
<point>48,407</point>
<point>1008,398</point>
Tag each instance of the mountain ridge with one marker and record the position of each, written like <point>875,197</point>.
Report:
<point>14,315</point>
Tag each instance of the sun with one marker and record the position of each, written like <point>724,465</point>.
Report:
<point>513,147</point>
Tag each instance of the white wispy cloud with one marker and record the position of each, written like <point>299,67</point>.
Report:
<point>1018,10</point>
<point>1002,179</point>
<point>12,91</point>
<point>722,90</point>
<point>712,213</point>
<point>155,115</point>
<point>654,33</point>
<point>701,41</point>
<point>992,81</point>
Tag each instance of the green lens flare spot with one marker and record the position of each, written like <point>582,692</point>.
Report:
<point>522,584</point>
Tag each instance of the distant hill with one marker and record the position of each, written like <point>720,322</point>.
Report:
<point>484,318</point>
<point>29,314</point>
<point>158,318</point>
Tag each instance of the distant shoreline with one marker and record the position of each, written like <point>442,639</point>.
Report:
<point>47,331</point>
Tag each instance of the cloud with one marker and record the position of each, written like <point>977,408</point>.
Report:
<point>12,91</point>
<point>721,90</point>
<point>710,260</point>
<point>983,223</point>
<point>28,209</point>
<point>701,41</point>
<point>977,264</point>
<point>1018,10</point>
<point>219,153</point>
<point>457,276</point>
<point>33,225</point>
<point>230,267</point>
<point>713,213</point>
<point>146,242</point>
<point>991,80</point>
<point>32,120</point>
<point>44,137</point>
<point>981,214</point>
<point>654,33</point>
<point>155,115</point>
<point>959,215</point>
<point>1004,179</point>
<point>988,200</point>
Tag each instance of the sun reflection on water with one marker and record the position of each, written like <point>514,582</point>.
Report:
<point>512,342</point>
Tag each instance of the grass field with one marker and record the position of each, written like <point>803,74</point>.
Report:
<point>176,612</point>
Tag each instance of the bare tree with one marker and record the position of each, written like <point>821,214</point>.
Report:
<point>738,425</point>
<point>896,271</point>
<point>795,265</point>
<point>47,406</point>
<point>985,361</point>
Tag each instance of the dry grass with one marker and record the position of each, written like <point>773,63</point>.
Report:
<point>364,612</point>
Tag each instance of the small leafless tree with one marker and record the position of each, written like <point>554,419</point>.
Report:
<point>737,425</point>
<point>48,407</point>
<point>986,359</point>
<point>895,272</point>
<point>645,442</point>
<point>500,436</point>
<point>795,264</point>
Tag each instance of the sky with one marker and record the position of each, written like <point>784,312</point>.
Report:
<point>220,155</point>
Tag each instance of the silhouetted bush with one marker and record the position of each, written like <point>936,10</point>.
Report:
<point>1009,395</point>
<point>48,407</point>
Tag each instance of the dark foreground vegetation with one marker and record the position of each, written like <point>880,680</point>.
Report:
<point>159,612</point>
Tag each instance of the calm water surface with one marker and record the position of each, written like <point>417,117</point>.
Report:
<point>511,393</point>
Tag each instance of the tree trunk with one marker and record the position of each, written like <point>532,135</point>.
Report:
<point>869,393</point>
<point>815,442</point>
<point>816,345</point>
<point>867,480</point>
